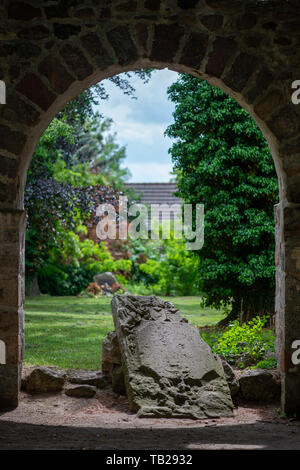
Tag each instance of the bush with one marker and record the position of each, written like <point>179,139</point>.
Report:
<point>165,267</point>
<point>72,267</point>
<point>269,363</point>
<point>139,289</point>
<point>53,280</point>
<point>248,340</point>
<point>63,280</point>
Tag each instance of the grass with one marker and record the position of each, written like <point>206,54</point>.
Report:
<point>67,332</point>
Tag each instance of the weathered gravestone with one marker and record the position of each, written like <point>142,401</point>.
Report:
<point>105,280</point>
<point>169,370</point>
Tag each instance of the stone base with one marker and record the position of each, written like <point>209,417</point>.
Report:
<point>9,386</point>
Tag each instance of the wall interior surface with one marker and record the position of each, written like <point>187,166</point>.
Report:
<point>52,50</point>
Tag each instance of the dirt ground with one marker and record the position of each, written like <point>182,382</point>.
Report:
<point>105,422</point>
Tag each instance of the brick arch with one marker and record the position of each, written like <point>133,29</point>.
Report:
<point>53,50</point>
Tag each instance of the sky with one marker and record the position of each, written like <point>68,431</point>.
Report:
<point>140,124</point>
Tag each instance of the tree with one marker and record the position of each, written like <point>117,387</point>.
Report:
<point>82,109</point>
<point>60,192</point>
<point>99,150</point>
<point>222,160</point>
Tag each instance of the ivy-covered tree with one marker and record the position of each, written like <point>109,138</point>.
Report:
<point>222,160</point>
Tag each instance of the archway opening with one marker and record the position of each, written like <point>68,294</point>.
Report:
<point>55,307</point>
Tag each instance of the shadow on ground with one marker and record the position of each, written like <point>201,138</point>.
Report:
<point>241,436</point>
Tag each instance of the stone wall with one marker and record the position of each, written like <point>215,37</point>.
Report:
<point>50,50</point>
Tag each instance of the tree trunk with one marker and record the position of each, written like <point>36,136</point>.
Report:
<point>233,315</point>
<point>34,290</point>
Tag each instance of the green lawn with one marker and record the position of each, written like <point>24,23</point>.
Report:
<point>67,332</point>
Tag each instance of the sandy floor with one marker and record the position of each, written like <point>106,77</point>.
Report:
<point>105,422</point>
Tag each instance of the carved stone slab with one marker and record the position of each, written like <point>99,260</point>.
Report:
<point>169,370</point>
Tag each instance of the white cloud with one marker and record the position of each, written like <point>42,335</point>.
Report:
<point>140,125</point>
<point>132,131</point>
<point>150,172</point>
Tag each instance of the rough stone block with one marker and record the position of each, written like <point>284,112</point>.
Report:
<point>10,323</point>
<point>212,22</point>
<point>9,291</point>
<point>223,49</point>
<point>169,370</point>
<point>166,42</point>
<point>242,69</point>
<point>33,88</point>
<point>42,380</point>
<point>95,379</point>
<point>56,73</point>
<point>152,4</point>
<point>110,349</point>
<point>85,13</point>
<point>16,110</point>
<point>81,391</point>
<point>187,4</point>
<point>23,11</point>
<point>194,50</point>
<point>228,6</point>
<point>259,385</point>
<point>64,31</point>
<point>94,47</point>
<point>286,123</point>
<point>10,381</point>
<point>142,35</point>
<point>56,11</point>
<point>75,59</point>
<point>10,140</point>
<point>34,33</point>
<point>123,45</point>
<point>13,348</point>
<point>268,104</point>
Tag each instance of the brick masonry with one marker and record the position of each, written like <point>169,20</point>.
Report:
<point>50,50</point>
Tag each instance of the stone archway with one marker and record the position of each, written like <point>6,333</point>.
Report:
<point>52,50</point>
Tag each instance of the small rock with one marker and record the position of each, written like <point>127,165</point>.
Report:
<point>81,391</point>
<point>88,378</point>
<point>105,280</point>
<point>42,379</point>
<point>111,355</point>
<point>259,385</point>
<point>111,349</point>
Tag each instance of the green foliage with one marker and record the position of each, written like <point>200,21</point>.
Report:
<point>47,153</point>
<point>75,153</point>
<point>78,176</point>
<point>250,339</point>
<point>96,158</point>
<point>165,267</point>
<point>222,160</point>
<point>269,363</point>
<point>139,288</point>
<point>62,280</point>
<point>57,198</point>
<point>71,267</point>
